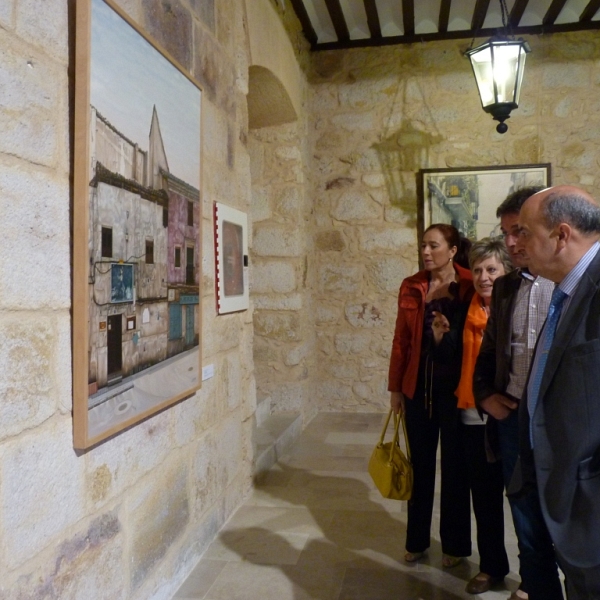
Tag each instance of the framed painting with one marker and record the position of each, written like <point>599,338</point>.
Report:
<point>137,222</point>
<point>468,198</point>
<point>231,255</point>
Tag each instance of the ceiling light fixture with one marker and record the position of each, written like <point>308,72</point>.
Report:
<point>498,66</point>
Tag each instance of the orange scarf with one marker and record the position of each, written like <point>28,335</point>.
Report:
<point>472,337</point>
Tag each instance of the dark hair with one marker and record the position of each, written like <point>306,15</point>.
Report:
<point>488,247</point>
<point>571,208</point>
<point>462,252</point>
<point>515,200</point>
<point>450,233</point>
<point>454,240</point>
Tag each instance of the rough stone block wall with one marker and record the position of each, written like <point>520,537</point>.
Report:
<point>282,267</point>
<point>127,519</point>
<point>333,204</point>
<point>379,115</point>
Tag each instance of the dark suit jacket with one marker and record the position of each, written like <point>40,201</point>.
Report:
<point>566,428</point>
<point>492,369</point>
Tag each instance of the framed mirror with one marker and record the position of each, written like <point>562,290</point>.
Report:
<point>137,223</point>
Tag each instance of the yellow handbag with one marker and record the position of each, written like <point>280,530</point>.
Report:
<point>389,468</point>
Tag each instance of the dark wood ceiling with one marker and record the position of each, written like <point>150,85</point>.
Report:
<point>332,24</point>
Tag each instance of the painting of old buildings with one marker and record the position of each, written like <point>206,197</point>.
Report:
<point>144,226</point>
<point>468,199</point>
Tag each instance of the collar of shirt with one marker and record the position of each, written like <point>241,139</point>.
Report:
<point>571,281</point>
<point>525,274</point>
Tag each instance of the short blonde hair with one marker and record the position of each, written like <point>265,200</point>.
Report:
<point>487,248</point>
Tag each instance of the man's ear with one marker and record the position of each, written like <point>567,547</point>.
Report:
<point>563,234</point>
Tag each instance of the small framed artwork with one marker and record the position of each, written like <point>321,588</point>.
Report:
<point>137,181</point>
<point>121,283</point>
<point>231,254</point>
<point>468,198</point>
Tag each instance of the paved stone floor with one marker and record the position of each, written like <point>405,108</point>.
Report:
<point>315,528</point>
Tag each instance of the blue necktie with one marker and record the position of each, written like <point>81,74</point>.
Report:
<point>533,389</point>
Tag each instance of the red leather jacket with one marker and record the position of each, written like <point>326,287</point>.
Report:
<point>406,348</point>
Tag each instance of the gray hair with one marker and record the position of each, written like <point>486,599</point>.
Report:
<point>488,248</point>
<point>571,208</point>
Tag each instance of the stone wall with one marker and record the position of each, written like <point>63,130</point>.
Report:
<point>333,207</point>
<point>130,518</point>
<point>282,268</point>
<point>378,116</point>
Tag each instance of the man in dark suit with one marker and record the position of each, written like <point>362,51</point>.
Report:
<point>518,310</point>
<point>560,419</point>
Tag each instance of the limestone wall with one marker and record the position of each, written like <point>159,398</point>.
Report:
<point>130,518</point>
<point>332,205</point>
<point>378,116</point>
<point>282,269</point>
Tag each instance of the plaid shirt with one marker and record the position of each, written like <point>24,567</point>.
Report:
<point>529,314</point>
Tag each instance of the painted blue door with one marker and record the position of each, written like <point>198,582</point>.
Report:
<point>174,321</point>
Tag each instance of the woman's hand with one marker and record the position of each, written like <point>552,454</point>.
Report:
<point>397,402</point>
<point>440,326</point>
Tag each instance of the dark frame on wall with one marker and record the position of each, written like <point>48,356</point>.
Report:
<point>468,197</point>
<point>136,316</point>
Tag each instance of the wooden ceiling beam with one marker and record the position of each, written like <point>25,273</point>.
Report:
<point>338,20</point>
<point>589,11</point>
<point>373,18</point>
<point>408,16</point>
<point>444,15</point>
<point>553,12</point>
<point>307,28</point>
<point>459,35</point>
<point>517,11</point>
<point>479,13</point>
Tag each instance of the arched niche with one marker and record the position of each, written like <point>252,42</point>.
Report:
<point>268,101</point>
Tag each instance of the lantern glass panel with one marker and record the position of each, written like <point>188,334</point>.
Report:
<point>506,61</point>
<point>481,59</point>
<point>498,69</point>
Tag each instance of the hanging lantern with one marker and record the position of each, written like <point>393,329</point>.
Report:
<point>498,67</point>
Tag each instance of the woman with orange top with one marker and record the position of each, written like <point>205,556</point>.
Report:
<point>488,260</point>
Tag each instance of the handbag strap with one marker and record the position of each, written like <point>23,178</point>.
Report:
<point>405,437</point>
<point>387,422</point>
<point>395,440</point>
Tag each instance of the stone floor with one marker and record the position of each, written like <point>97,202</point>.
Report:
<point>315,528</point>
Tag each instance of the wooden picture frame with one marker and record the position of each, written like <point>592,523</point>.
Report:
<point>231,257</point>
<point>468,197</point>
<point>136,317</point>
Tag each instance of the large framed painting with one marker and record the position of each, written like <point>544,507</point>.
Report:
<point>137,222</point>
<point>231,255</point>
<point>468,198</point>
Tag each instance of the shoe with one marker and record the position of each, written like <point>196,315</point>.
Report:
<point>519,595</point>
<point>481,583</point>
<point>449,561</point>
<point>411,557</point>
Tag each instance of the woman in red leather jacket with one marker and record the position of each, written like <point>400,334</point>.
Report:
<point>424,391</point>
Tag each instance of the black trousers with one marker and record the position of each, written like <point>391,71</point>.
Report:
<point>487,492</point>
<point>424,428</point>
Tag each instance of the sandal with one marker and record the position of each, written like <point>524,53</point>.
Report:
<point>450,561</point>
<point>411,557</point>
